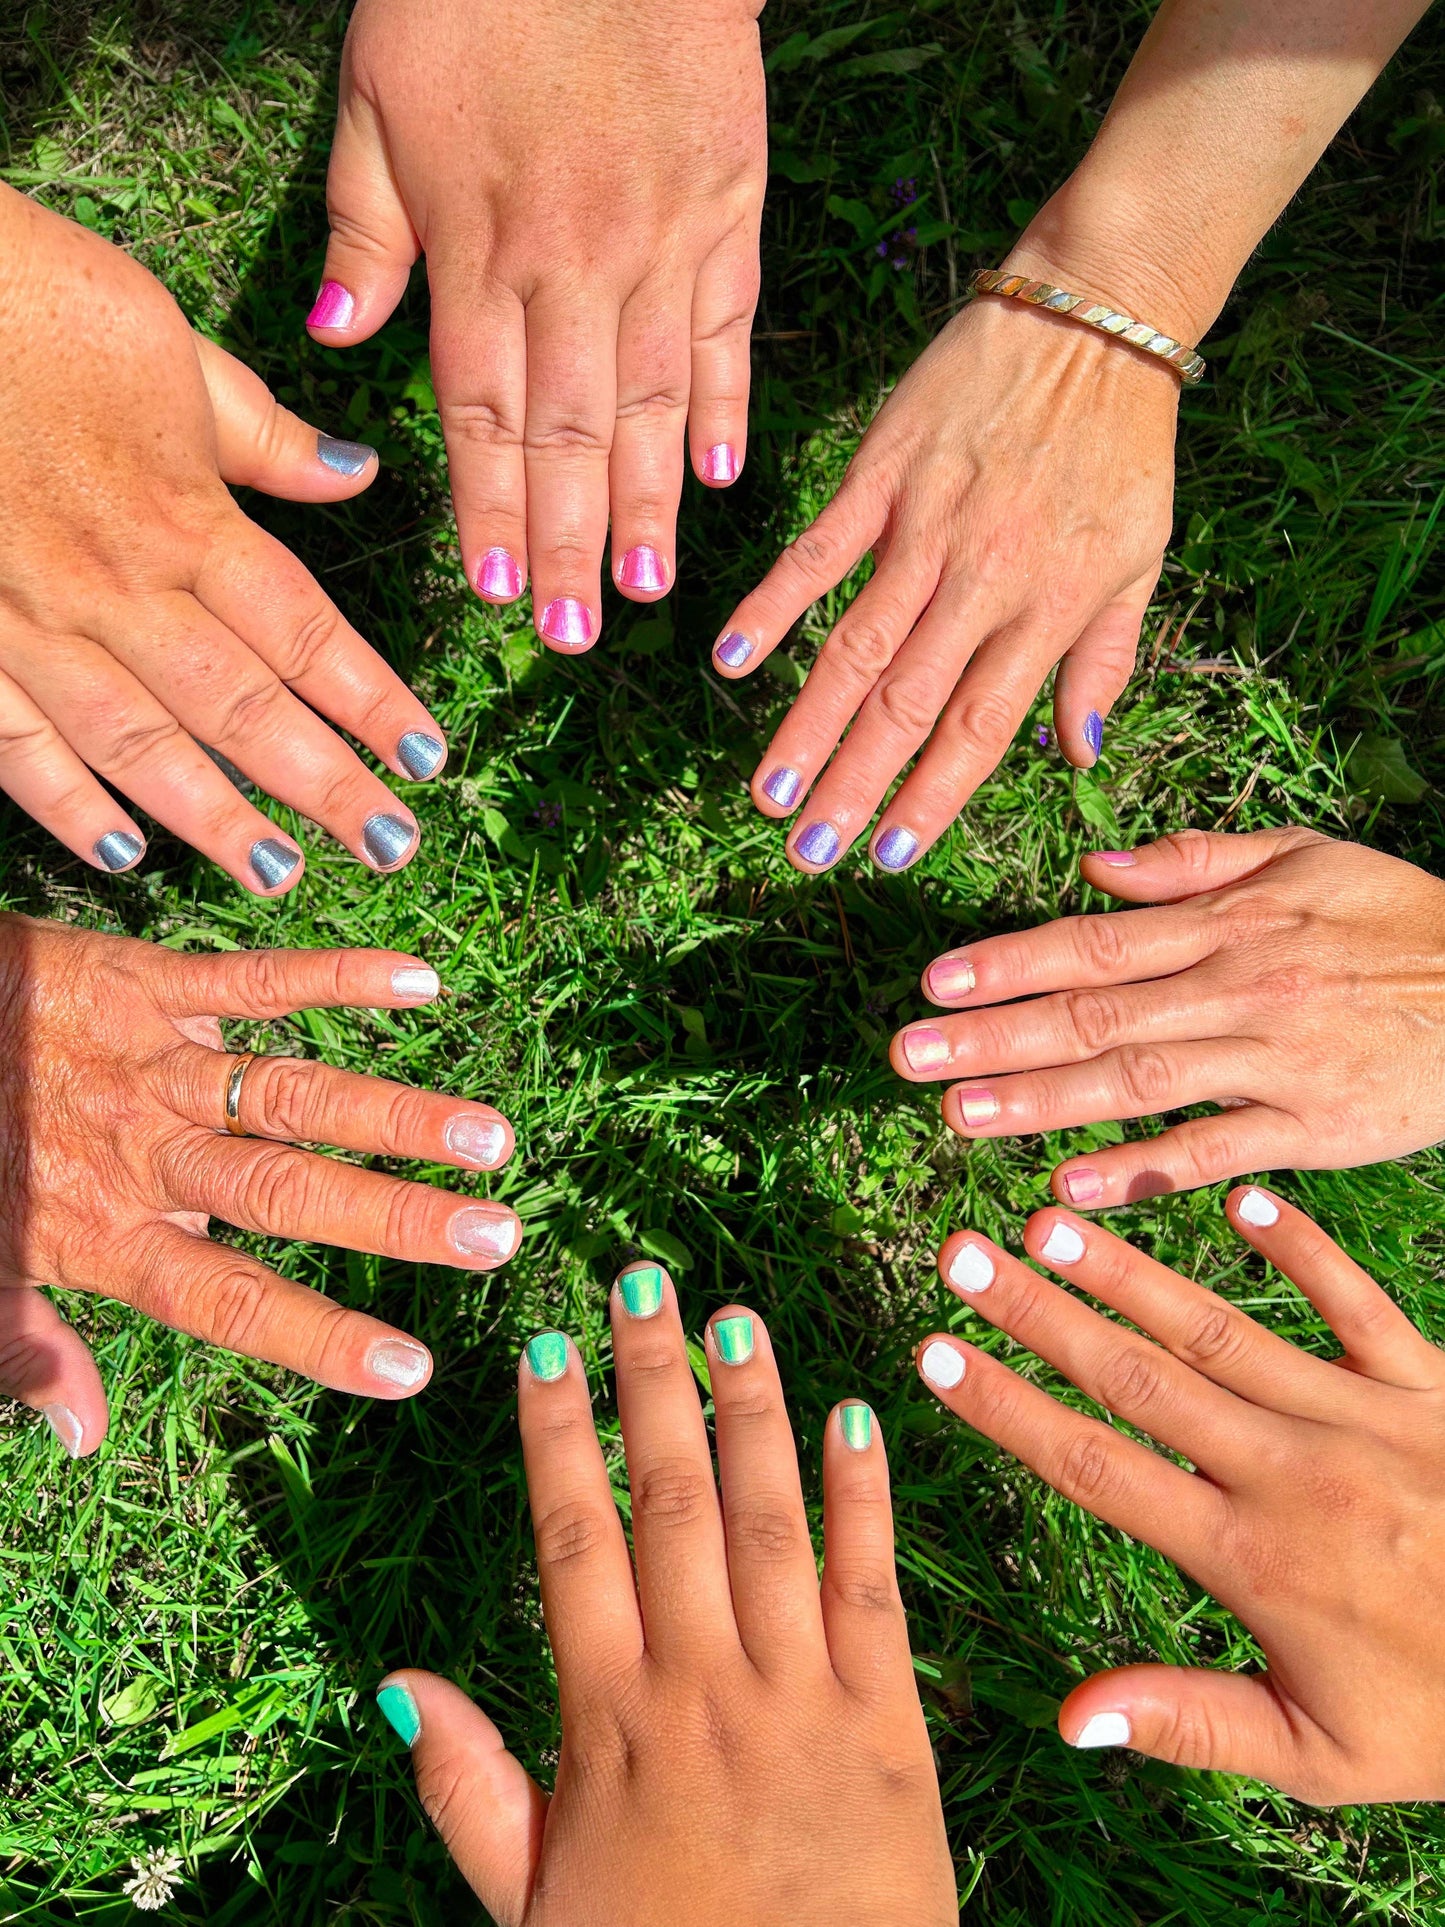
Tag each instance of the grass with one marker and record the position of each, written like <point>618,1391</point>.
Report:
<point>688,1035</point>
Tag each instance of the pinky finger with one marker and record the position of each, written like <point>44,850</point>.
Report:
<point>724,297</point>
<point>862,1610</point>
<point>40,772</point>
<point>47,1365</point>
<point>1094,673</point>
<point>1205,1150</point>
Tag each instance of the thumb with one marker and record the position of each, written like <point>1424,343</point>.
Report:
<point>1189,862</point>
<point>260,444</point>
<point>373,244</point>
<point>488,1810</point>
<point>48,1366</point>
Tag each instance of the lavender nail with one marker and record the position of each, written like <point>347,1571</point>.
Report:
<point>896,848</point>
<point>782,787</point>
<point>342,458</point>
<point>733,650</point>
<point>818,844</point>
<point>1094,732</point>
<point>419,754</point>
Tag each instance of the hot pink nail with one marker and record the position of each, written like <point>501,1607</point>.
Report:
<point>334,307</point>
<point>499,577</point>
<point>925,1049</point>
<point>720,464</point>
<point>1116,859</point>
<point>568,621</point>
<point>977,1107</point>
<point>642,568</point>
<point>949,978</point>
<point>1083,1185</point>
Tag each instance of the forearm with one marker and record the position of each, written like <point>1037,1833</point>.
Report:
<point>1226,107</point>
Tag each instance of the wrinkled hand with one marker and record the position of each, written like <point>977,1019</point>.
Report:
<point>113,1082</point>
<point>1298,981</point>
<point>1016,491</point>
<point>739,1742</point>
<point>1314,1514</point>
<point>586,183</point>
<point>141,613</point>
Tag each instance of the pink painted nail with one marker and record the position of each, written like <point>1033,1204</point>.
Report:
<point>334,307</point>
<point>499,576</point>
<point>720,464</point>
<point>1083,1185</point>
<point>925,1049</point>
<point>642,568</point>
<point>1116,859</point>
<point>977,1107</point>
<point>567,620</point>
<point>950,977</point>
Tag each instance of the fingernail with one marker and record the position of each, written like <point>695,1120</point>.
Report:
<point>499,576</point>
<point>1116,859</point>
<point>399,1711</point>
<point>1094,732</point>
<point>1083,1185</point>
<point>641,1290</point>
<point>855,1422</point>
<point>977,1107</point>
<point>925,1049</point>
<point>1257,1209</point>
<point>941,1365</point>
<point>273,861</point>
<point>720,464</point>
<point>415,980</point>
<point>950,977</point>
<point>782,786</point>
<point>1105,1729</point>
<point>419,754</point>
<point>818,844</point>
<point>66,1427</point>
<point>970,1268</point>
<point>387,839</point>
<point>547,1355</point>
<point>118,849</point>
<point>567,620</point>
<point>485,1234</point>
<point>342,458</point>
<point>733,650</point>
<point>642,568</point>
<point>1063,1246</point>
<point>734,1339</point>
<point>480,1140</point>
<point>334,307</point>
<point>895,849</point>
<point>399,1363</point>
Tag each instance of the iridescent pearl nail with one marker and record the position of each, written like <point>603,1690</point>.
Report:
<point>642,568</point>
<point>733,650</point>
<point>818,844</point>
<point>415,980</point>
<point>118,850</point>
<point>499,576</point>
<point>396,1362</point>
<point>387,839</point>
<point>855,1422</point>
<point>1083,1184</point>
<point>949,978</point>
<point>567,620</point>
<point>782,787</point>
<point>334,307</point>
<point>480,1233</point>
<point>546,1356</point>
<point>273,861</point>
<point>419,754</point>
<point>66,1427</point>
<point>977,1107</point>
<point>342,458</point>
<point>1094,732</point>
<point>479,1140</point>
<point>896,848</point>
<point>720,464</point>
<point>925,1049</point>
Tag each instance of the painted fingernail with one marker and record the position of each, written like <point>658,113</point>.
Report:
<point>387,839</point>
<point>398,1709</point>
<point>419,754</point>
<point>1105,1729</point>
<point>480,1140</point>
<point>565,619</point>
<point>118,849</point>
<point>855,1422</point>
<point>896,848</point>
<point>342,458</point>
<point>333,308</point>
<point>415,980</point>
<point>641,1290</point>
<point>485,1234</point>
<point>720,464</point>
<point>950,977</point>
<point>977,1107</point>
<point>734,1339</point>
<point>818,844</point>
<point>1116,859</point>
<point>1257,1209</point>
<point>733,650</point>
<point>273,861</point>
<point>1063,1246</point>
<point>547,1356</point>
<point>782,786</point>
<point>1094,731</point>
<point>1083,1185</point>
<point>397,1362</point>
<point>970,1268</point>
<point>499,576</point>
<point>642,568</point>
<point>941,1365</point>
<point>925,1049</point>
<point>66,1427</point>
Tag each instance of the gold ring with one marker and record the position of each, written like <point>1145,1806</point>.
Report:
<point>233,1094</point>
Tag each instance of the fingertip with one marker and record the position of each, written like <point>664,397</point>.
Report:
<point>776,788</point>
<point>332,314</point>
<point>421,754</point>
<point>483,1236</point>
<point>734,655</point>
<point>852,1423</point>
<point>396,1701</point>
<point>546,1358</point>
<point>1056,1237</point>
<point>275,865</point>
<point>732,1335</point>
<point>968,1263</point>
<point>118,850</point>
<point>643,574</point>
<point>569,625</point>
<point>815,846</point>
<point>354,465</point>
<point>941,1361</point>
<point>718,466</point>
<point>1251,1209</point>
<point>1082,1185</point>
<point>479,1138</point>
<point>498,576</point>
<point>641,1288</point>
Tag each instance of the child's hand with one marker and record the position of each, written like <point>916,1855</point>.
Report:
<point>1316,1513</point>
<point>1297,981</point>
<point>739,1741</point>
<point>1016,491</point>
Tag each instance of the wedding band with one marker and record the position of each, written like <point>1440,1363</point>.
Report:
<point>233,1094</point>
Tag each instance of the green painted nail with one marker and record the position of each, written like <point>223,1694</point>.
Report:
<point>401,1714</point>
<point>641,1291</point>
<point>734,1339</point>
<point>856,1423</point>
<point>547,1355</point>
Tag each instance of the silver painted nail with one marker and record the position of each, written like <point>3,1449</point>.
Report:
<point>419,754</point>
<point>484,1234</point>
<point>118,849</point>
<point>480,1140</point>
<point>387,839</point>
<point>273,861</point>
<point>66,1427</point>
<point>398,1362</point>
<point>415,981</point>
<point>342,458</point>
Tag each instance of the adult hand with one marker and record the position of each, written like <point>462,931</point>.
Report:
<point>141,613</point>
<point>1297,981</point>
<point>113,1090</point>
<point>586,183</point>
<point>1313,1514</point>
<point>739,1742</point>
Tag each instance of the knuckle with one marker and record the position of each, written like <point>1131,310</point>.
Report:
<point>1190,849</point>
<point>248,715</point>
<point>261,979</point>
<point>672,1496</point>
<point>1131,1380</point>
<point>1145,1077</point>
<point>235,1297</point>
<point>862,650</point>
<point>1088,1469</point>
<point>130,745</point>
<point>764,1528</point>
<point>272,1187</point>
<point>1215,1336</point>
<point>1094,1017</point>
<point>908,707</point>
<point>568,1532</point>
<point>862,1588</point>
<point>1099,942</point>
<point>312,640</point>
<point>816,551</point>
<point>480,424</point>
<point>286,1104</point>
<point>982,722</point>
<point>567,435</point>
<point>653,405</point>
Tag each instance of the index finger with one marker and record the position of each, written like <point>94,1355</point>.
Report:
<point>1072,953</point>
<point>278,983</point>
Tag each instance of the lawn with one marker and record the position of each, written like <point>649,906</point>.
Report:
<point>688,1035</point>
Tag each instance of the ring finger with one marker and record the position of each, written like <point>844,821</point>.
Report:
<point>647,451</point>
<point>42,774</point>
<point>1136,1080</point>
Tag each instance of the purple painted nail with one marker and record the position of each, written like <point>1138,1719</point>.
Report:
<point>895,849</point>
<point>334,307</point>
<point>818,844</point>
<point>782,787</point>
<point>499,576</point>
<point>720,464</point>
<point>734,649</point>
<point>642,568</point>
<point>567,620</point>
<point>1094,732</point>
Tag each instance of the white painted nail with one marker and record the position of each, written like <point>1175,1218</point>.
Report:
<point>1255,1208</point>
<point>971,1268</point>
<point>485,1234</point>
<point>1105,1729</point>
<point>480,1140</point>
<point>398,1362</point>
<point>1063,1246</point>
<point>414,981</point>
<point>66,1427</point>
<point>942,1365</point>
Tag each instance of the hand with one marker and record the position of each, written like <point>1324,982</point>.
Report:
<point>1298,981</point>
<point>1016,490</point>
<point>1313,1515</point>
<point>587,185</point>
<point>141,613</point>
<point>739,1743</point>
<point>113,1086</point>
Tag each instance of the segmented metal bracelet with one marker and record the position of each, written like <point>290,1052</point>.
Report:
<point>1186,362</point>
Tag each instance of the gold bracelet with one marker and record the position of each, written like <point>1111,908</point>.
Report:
<point>1186,362</point>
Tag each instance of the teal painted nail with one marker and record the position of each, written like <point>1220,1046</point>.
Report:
<point>856,1424</point>
<point>734,1339</point>
<point>400,1710</point>
<point>547,1355</point>
<point>641,1291</point>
